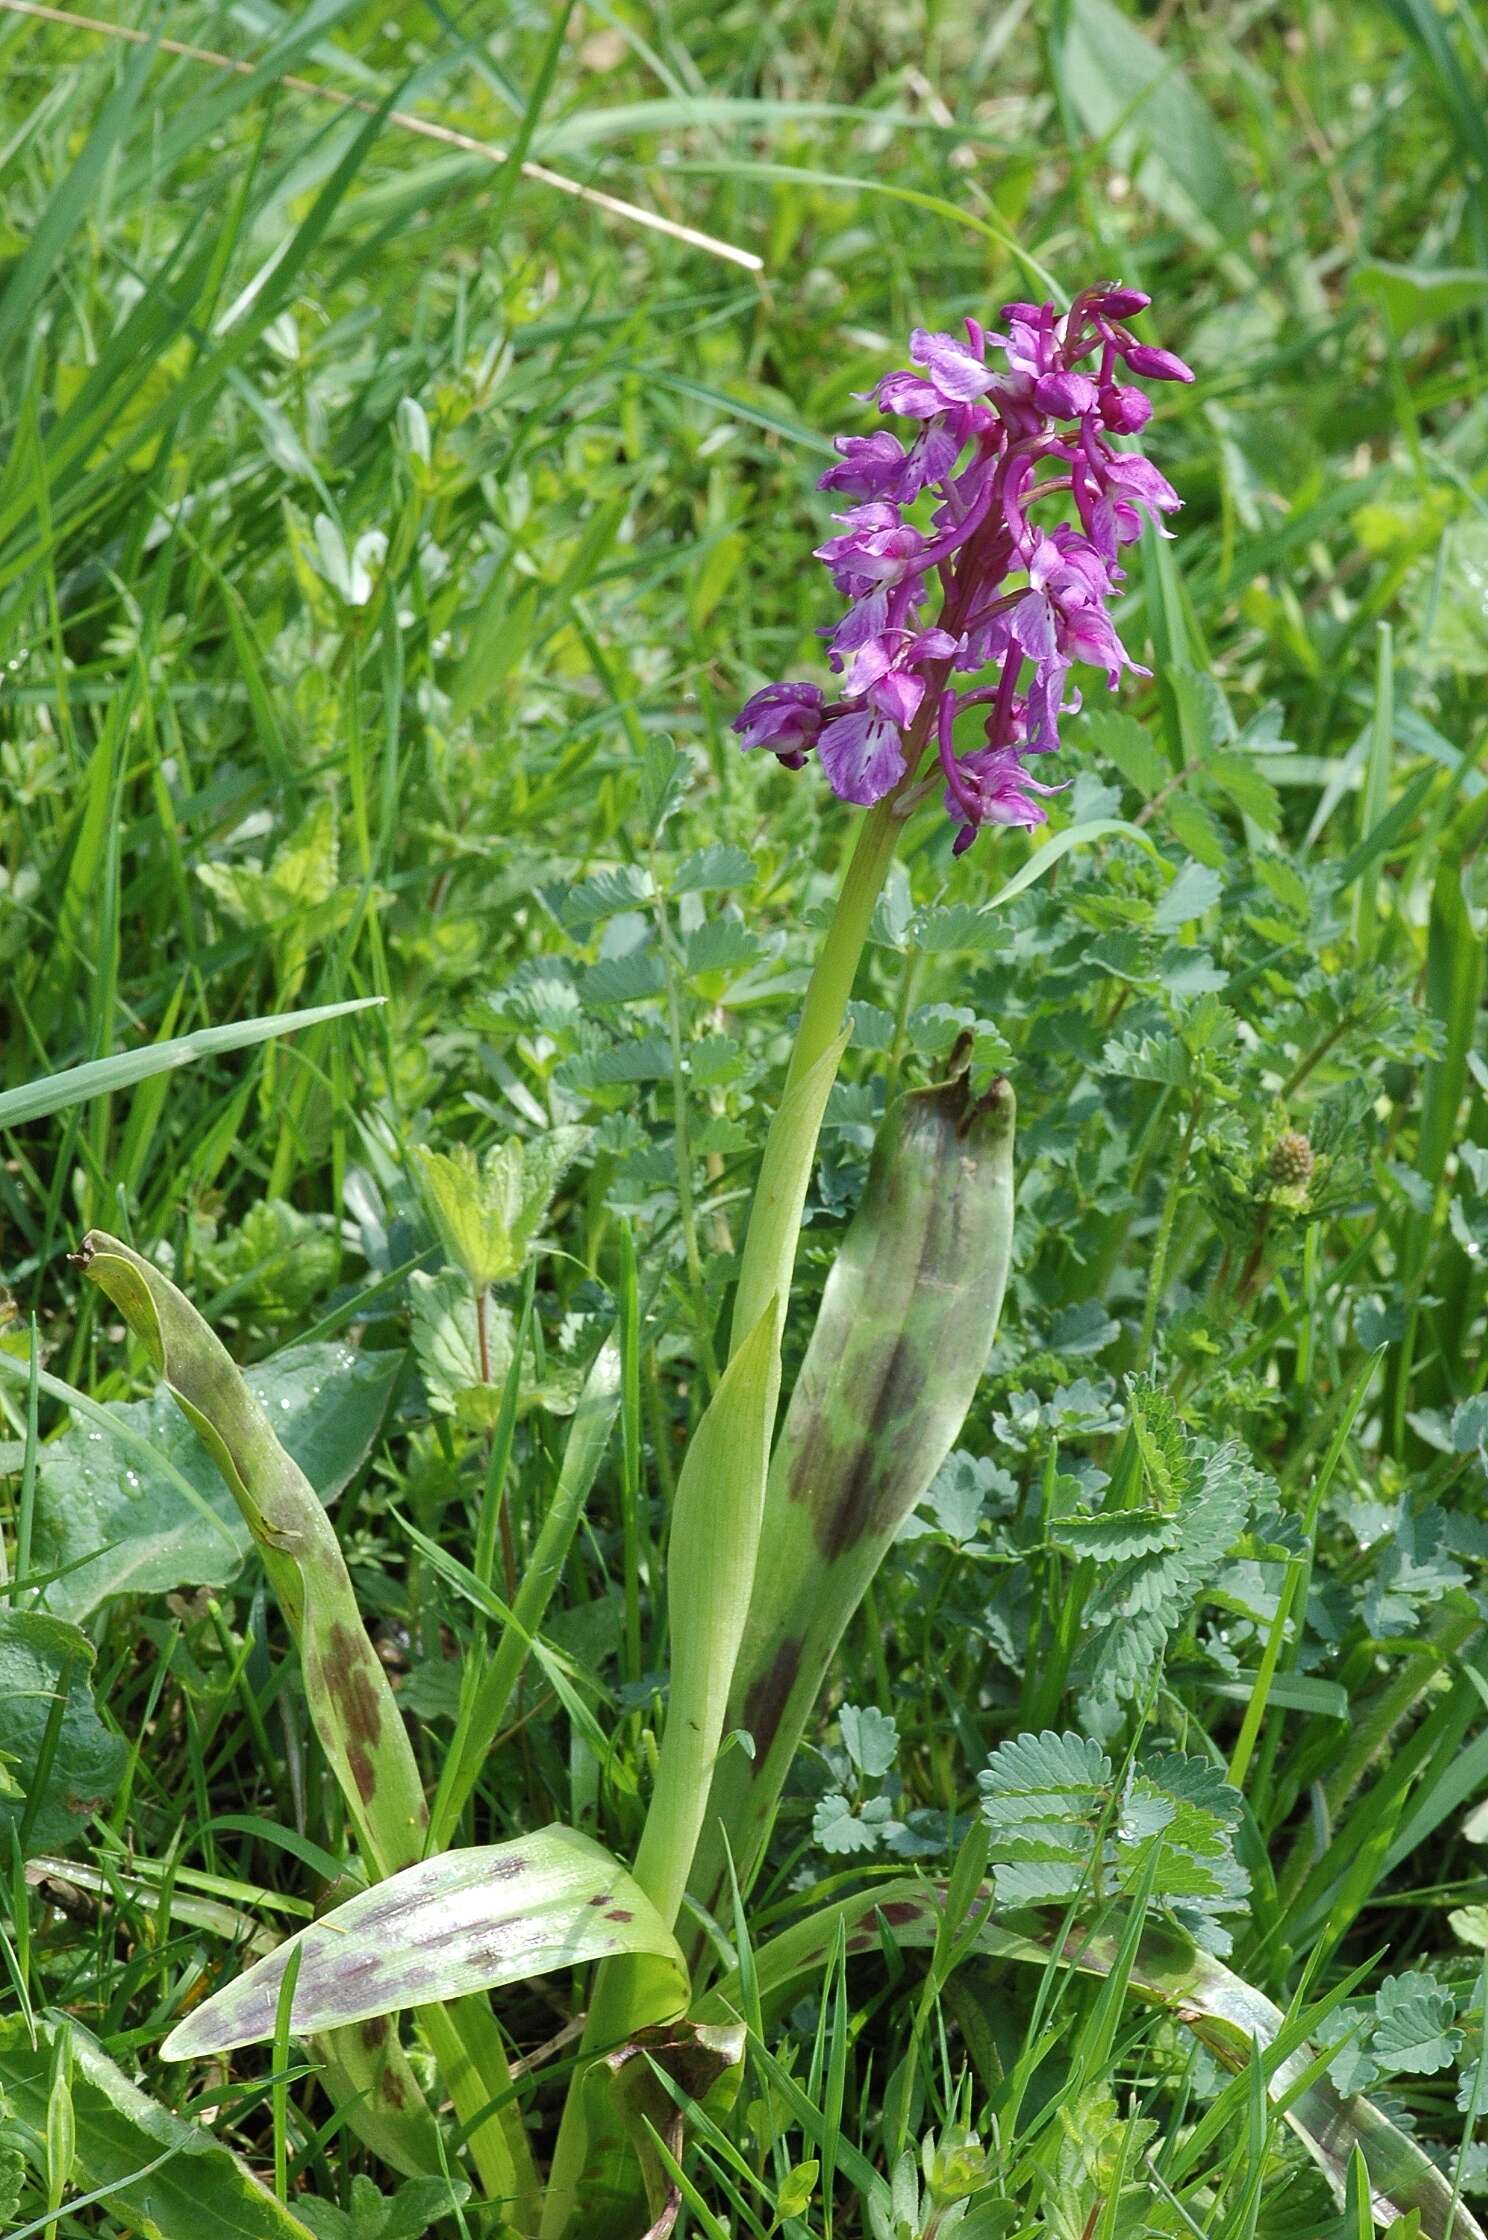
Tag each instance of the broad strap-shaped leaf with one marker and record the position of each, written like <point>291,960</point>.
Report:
<point>346,1685</point>
<point>347,1690</point>
<point>906,1322</point>
<point>1230,2016</point>
<point>462,1922</point>
<point>113,1518</point>
<point>161,2175</point>
<point>711,1560</point>
<point>365,2073</point>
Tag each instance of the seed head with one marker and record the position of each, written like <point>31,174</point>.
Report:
<point>1291,1161</point>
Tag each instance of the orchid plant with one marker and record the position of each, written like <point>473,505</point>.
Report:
<point>979,561</point>
<point>996,453</point>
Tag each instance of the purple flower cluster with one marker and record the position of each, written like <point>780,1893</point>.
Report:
<point>993,442</point>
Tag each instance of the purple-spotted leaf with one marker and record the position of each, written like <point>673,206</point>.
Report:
<point>902,1337</point>
<point>465,1921</point>
<point>347,1691</point>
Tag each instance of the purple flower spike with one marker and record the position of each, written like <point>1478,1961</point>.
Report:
<point>957,371</point>
<point>863,757</point>
<point>1065,396</point>
<point>1023,594</point>
<point>871,466</point>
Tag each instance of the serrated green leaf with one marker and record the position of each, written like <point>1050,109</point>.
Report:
<point>407,2214</point>
<point>488,1210</point>
<point>1032,1767</point>
<point>959,927</point>
<point>1148,1057</point>
<point>664,775</point>
<point>1109,1538</point>
<point>721,945</point>
<point>1414,2034</point>
<point>1195,830</point>
<point>707,869</point>
<point>714,1058</point>
<point>1196,889</point>
<point>604,895</point>
<point>1122,740</point>
<point>640,972</point>
<point>647,1057</point>
<point>1167,1461</point>
<point>1237,778</point>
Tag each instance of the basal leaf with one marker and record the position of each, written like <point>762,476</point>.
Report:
<point>464,1921</point>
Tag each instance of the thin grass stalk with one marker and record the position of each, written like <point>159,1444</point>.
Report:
<point>426,128</point>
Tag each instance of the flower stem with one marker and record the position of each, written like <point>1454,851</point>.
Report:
<point>790,1147</point>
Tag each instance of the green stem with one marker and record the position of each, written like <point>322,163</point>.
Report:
<point>769,1256</point>
<point>1164,1239</point>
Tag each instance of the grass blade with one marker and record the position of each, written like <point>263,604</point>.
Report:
<point>102,1076</point>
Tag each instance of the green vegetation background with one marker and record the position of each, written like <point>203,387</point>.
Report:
<point>386,542</point>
